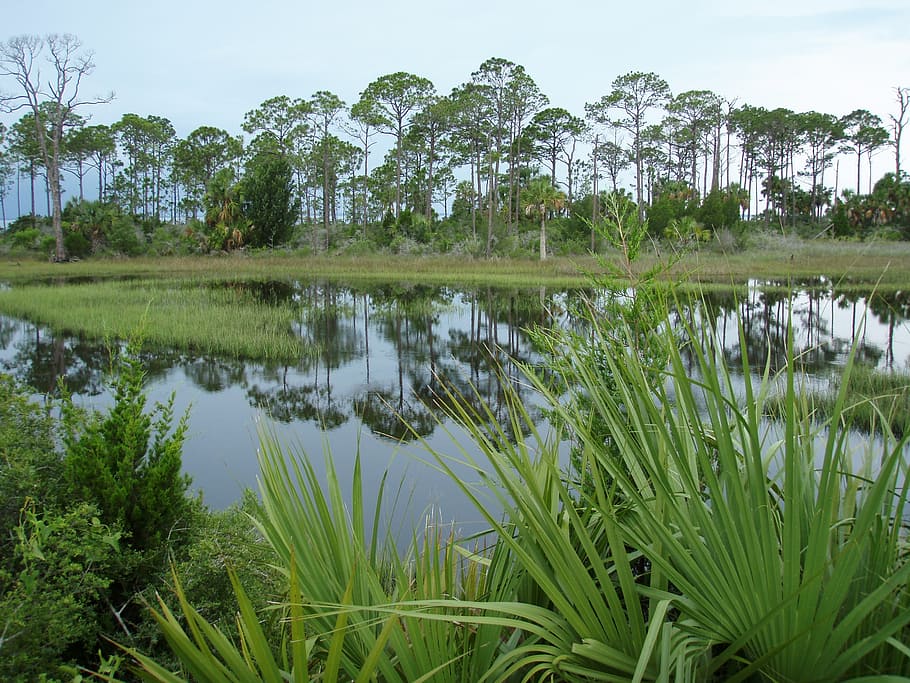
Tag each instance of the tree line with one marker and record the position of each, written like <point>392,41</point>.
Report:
<point>476,155</point>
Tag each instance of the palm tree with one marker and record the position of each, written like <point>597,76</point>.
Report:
<point>541,198</point>
<point>93,219</point>
<point>224,212</point>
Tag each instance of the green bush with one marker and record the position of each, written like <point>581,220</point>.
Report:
<point>73,573</point>
<point>673,200</point>
<point>128,462</point>
<point>728,240</point>
<point>719,210</point>
<point>53,598</point>
<point>167,240</point>
<point>123,237</point>
<point>219,539</point>
<point>27,238</point>
<point>28,222</point>
<point>57,560</point>
<point>358,247</point>
<point>77,244</point>
<point>887,234</point>
<point>29,464</point>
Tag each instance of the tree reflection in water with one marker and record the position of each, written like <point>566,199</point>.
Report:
<point>387,356</point>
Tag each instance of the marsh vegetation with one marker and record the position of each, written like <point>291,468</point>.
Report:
<point>613,455</point>
<point>693,550</point>
<point>662,495</point>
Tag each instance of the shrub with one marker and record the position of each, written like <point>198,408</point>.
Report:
<point>229,538</point>
<point>128,462</point>
<point>29,464</point>
<point>124,237</point>
<point>28,222</point>
<point>167,240</point>
<point>727,240</point>
<point>27,238</point>
<point>719,210</point>
<point>77,244</point>
<point>673,200</point>
<point>52,600</point>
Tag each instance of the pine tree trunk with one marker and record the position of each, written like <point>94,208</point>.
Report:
<point>543,235</point>
<point>430,177</point>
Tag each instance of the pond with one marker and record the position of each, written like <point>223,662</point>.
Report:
<point>386,351</point>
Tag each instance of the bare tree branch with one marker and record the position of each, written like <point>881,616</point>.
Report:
<point>902,97</point>
<point>51,104</point>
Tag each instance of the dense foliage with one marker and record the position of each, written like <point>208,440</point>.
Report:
<point>462,171</point>
<point>128,462</point>
<point>89,531</point>
<point>54,598</point>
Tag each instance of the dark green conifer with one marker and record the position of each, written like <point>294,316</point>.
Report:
<point>127,461</point>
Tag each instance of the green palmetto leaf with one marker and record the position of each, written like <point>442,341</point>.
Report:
<point>709,543</point>
<point>795,566</point>
<point>333,659</point>
<point>214,658</point>
<point>205,653</point>
<point>312,522</point>
<point>260,656</point>
<point>315,528</point>
<point>594,612</point>
<point>300,648</point>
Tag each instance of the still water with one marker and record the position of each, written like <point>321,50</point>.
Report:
<point>385,352</point>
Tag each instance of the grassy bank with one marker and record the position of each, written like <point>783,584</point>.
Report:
<point>850,264</point>
<point>109,297</point>
<point>878,400</point>
<point>260,266</point>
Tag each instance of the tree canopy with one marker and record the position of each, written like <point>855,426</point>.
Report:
<point>474,149</point>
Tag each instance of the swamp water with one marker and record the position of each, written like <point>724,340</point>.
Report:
<point>385,351</point>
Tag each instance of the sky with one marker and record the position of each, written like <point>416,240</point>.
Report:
<point>205,63</point>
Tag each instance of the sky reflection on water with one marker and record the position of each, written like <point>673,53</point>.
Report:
<point>387,350</point>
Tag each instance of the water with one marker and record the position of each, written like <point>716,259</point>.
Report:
<point>389,350</point>
<point>384,352</point>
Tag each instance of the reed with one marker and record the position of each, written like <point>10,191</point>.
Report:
<point>878,400</point>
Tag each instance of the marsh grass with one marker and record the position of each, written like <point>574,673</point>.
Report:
<point>877,400</point>
<point>849,264</point>
<point>182,314</point>
<point>439,270</point>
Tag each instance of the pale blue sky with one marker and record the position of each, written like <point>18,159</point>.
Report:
<point>207,63</point>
